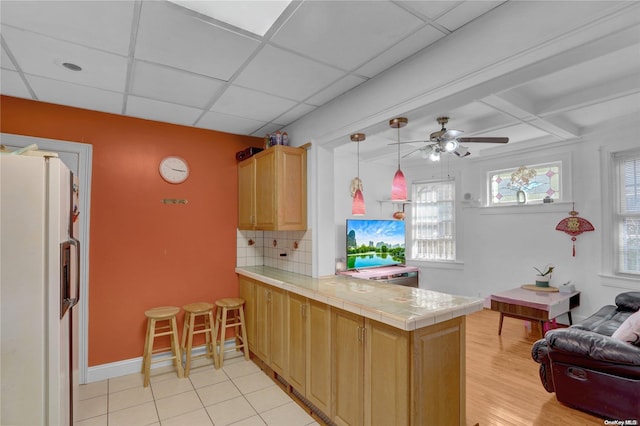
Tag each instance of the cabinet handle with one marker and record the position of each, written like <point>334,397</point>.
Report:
<point>364,334</point>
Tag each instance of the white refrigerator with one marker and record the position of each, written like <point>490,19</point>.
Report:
<point>39,289</point>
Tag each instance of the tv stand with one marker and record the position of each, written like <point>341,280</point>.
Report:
<point>401,275</point>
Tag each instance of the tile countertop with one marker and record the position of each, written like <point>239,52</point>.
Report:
<point>402,307</point>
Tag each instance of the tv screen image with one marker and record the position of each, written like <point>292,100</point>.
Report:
<point>372,243</point>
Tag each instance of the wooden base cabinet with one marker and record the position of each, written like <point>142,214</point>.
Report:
<point>387,382</point>
<point>355,370</point>
<point>247,292</point>
<point>319,350</point>
<point>347,376</point>
<point>297,308</point>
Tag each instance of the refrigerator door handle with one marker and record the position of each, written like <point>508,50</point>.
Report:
<point>74,301</point>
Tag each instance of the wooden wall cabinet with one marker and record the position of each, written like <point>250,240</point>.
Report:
<point>272,190</point>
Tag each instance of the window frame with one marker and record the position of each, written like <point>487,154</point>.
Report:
<point>618,158</point>
<point>609,274</point>
<point>456,262</point>
<point>510,170</point>
<point>510,161</point>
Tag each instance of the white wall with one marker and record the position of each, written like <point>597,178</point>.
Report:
<point>501,246</point>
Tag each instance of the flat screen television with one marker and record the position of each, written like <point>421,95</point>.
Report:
<point>373,243</point>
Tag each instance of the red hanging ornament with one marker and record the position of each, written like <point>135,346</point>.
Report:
<point>574,226</point>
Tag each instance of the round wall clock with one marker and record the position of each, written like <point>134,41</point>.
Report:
<point>174,169</point>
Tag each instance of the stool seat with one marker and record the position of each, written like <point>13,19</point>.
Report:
<point>198,308</point>
<point>162,312</point>
<point>230,313</point>
<point>155,316</point>
<point>192,312</point>
<point>230,302</point>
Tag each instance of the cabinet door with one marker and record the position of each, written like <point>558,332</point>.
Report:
<point>292,189</point>
<point>319,356</point>
<point>297,307</point>
<point>278,330</point>
<point>246,194</point>
<point>265,190</point>
<point>262,308</point>
<point>247,292</point>
<point>386,378</point>
<point>347,332</point>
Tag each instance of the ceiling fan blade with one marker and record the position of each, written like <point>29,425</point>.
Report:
<point>402,143</point>
<point>450,135</point>
<point>483,140</point>
<point>412,152</point>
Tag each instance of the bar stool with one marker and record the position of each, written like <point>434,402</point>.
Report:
<point>155,328</point>
<point>192,326</point>
<point>230,313</point>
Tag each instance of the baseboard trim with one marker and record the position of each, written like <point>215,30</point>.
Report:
<point>134,365</point>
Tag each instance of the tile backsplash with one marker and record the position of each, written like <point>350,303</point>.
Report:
<point>286,250</point>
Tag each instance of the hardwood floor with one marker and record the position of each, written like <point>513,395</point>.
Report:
<point>503,386</point>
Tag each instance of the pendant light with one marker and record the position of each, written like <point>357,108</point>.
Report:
<point>399,186</point>
<point>357,207</point>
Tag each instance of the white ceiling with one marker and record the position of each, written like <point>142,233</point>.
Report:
<point>159,61</point>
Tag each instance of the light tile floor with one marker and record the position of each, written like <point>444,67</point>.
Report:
<point>239,394</point>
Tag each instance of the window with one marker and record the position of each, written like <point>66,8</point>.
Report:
<point>537,181</point>
<point>433,221</point>
<point>627,214</point>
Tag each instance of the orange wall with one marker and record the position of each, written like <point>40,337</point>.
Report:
<point>144,253</point>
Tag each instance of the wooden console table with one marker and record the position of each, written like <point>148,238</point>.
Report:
<point>533,305</point>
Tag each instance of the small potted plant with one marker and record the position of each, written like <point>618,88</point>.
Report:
<point>543,277</point>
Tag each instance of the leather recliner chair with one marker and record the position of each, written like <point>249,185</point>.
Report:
<point>590,370</point>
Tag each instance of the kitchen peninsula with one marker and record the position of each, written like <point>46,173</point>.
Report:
<point>360,352</point>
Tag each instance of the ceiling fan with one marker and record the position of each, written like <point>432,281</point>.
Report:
<point>450,141</point>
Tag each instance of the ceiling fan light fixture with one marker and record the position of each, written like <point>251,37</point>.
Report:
<point>434,156</point>
<point>451,145</point>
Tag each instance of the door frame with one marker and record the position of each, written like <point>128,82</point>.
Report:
<point>84,152</point>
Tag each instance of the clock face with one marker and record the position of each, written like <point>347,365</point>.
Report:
<point>174,169</point>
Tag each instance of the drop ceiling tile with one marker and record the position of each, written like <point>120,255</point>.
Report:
<point>345,34</point>
<point>5,61</point>
<point>173,85</point>
<point>336,89</point>
<point>267,128</point>
<point>229,123</point>
<point>407,47</point>
<point>466,12</point>
<point>294,114</point>
<point>64,93</point>
<point>151,109</point>
<point>249,103</point>
<point>285,74</point>
<point>43,56</point>
<point>12,85</point>
<point>104,25</point>
<point>431,9</point>
<point>172,35</point>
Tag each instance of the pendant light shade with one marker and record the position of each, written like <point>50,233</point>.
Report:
<point>399,186</point>
<point>357,206</point>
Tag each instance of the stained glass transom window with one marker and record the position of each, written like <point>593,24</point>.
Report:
<point>537,181</point>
